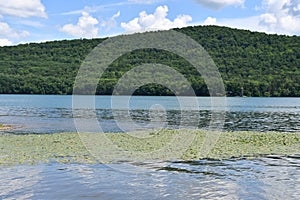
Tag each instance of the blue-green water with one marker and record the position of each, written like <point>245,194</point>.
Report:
<point>50,114</point>
<point>276,177</point>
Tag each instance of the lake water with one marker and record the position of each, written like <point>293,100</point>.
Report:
<point>264,178</point>
<point>51,114</point>
<point>269,177</point>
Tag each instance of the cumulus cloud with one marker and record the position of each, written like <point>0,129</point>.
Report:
<point>219,4</point>
<point>278,16</point>
<point>268,19</point>
<point>282,16</point>
<point>5,42</point>
<point>156,21</point>
<point>86,27</point>
<point>210,21</point>
<point>8,32</point>
<point>293,7</point>
<point>22,8</point>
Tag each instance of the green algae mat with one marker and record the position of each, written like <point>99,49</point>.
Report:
<point>81,148</point>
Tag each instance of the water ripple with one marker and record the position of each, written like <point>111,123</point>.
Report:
<point>269,177</point>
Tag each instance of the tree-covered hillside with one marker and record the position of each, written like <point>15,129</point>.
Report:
<point>256,63</point>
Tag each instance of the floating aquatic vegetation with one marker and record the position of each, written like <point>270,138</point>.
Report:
<point>68,147</point>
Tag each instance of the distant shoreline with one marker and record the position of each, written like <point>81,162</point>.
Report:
<point>141,95</point>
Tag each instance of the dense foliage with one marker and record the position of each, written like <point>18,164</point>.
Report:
<point>251,64</point>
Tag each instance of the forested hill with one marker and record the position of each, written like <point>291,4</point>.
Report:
<point>256,64</point>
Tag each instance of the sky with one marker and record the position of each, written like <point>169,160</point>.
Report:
<point>25,21</point>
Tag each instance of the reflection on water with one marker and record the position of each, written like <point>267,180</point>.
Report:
<point>264,178</point>
<point>49,114</point>
<point>60,120</point>
<point>19,182</point>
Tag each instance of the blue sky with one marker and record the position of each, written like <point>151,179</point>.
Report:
<point>23,21</point>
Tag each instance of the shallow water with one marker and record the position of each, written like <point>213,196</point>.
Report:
<point>264,178</point>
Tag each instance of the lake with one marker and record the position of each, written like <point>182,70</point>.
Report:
<point>52,113</point>
<point>268,177</point>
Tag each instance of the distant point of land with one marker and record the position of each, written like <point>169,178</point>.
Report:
<point>5,127</point>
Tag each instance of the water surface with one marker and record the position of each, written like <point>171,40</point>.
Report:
<point>264,178</point>
<point>53,113</point>
<point>268,177</point>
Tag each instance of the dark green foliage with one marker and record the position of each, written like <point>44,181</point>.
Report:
<point>251,64</point>
<point>261,64</point>
<point>46,68</point>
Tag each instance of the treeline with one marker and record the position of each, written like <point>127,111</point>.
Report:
<point>251,64</point>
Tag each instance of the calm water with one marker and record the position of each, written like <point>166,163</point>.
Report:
<point>50,114</point>
<point>264,178</point>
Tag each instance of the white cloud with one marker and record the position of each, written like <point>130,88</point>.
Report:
<point>292,7</point>
<point>22,8</point>
<point>219,4</point>
<point>111,22</point>
<point>116,15</point>
<point>210,21</point>
<point>282,16</point>
<point>268,19</point>
<point>7,32</point>
<point>86,27</point>
<point>278,16</point>
<point>156,21</point>
<point>5,42</point>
